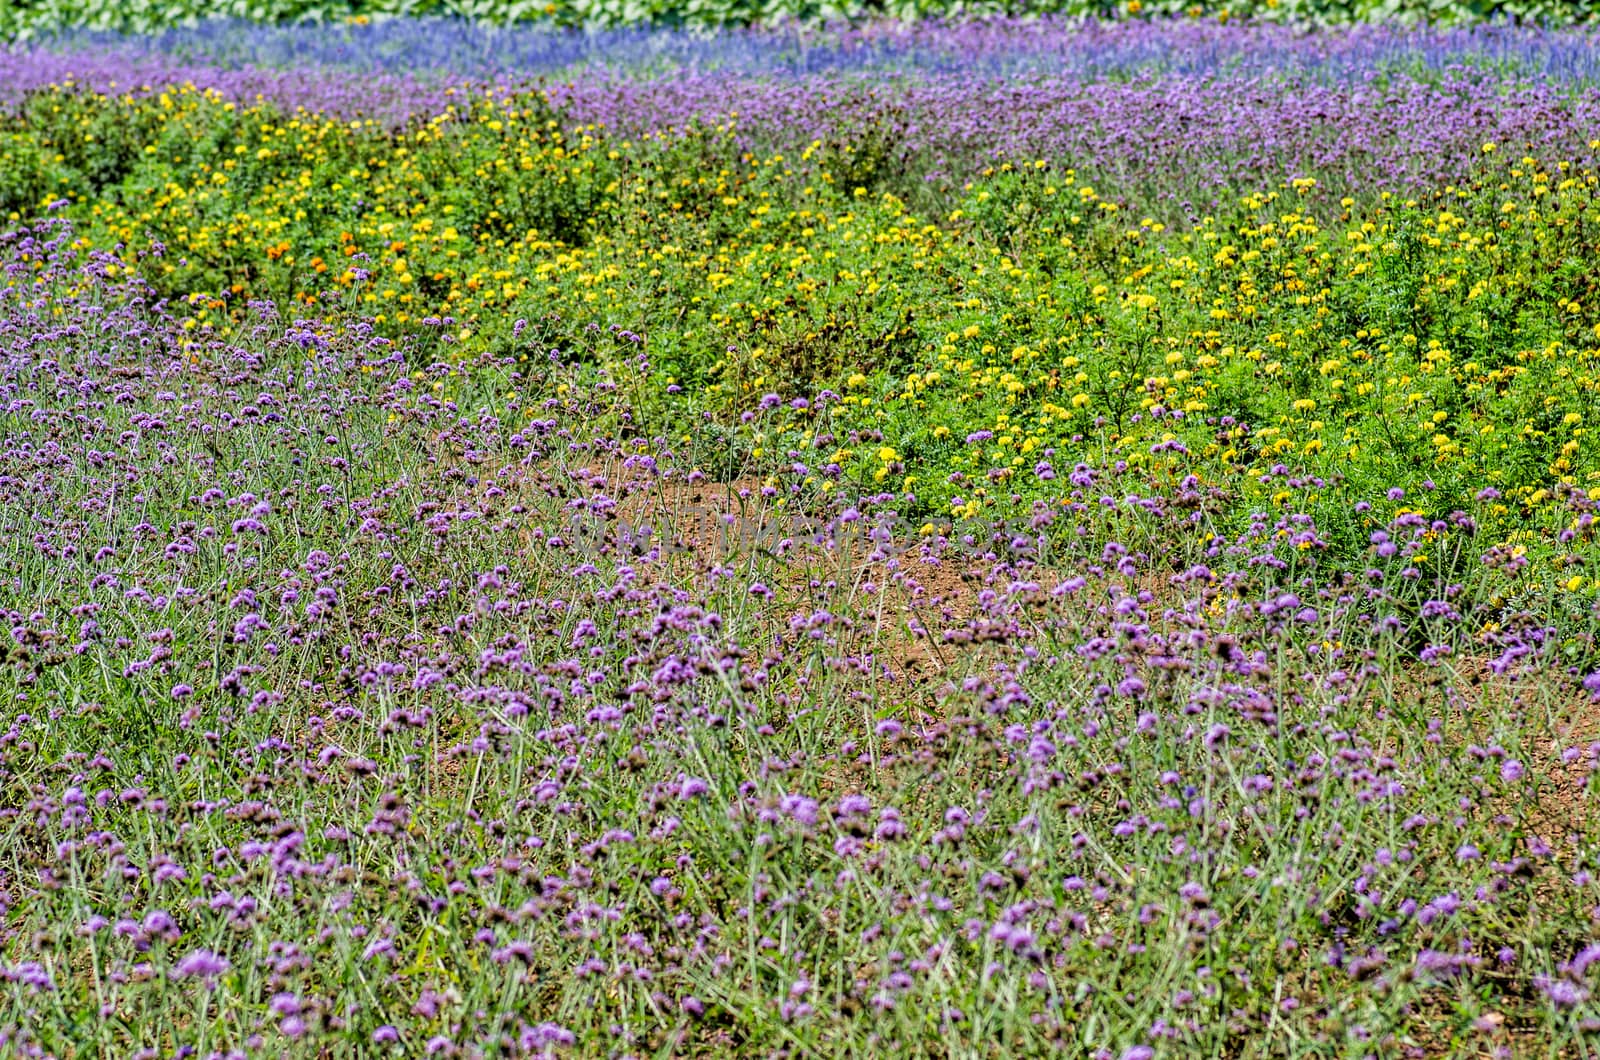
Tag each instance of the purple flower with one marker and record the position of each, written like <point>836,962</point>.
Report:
<point>1579,965</point>
<point>1561,992</point>
<point>30,974</point>
<point>200,964</point>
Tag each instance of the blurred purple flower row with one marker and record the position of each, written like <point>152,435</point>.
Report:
<point>1161,113</point>
<point>1011,46</point>
<point>1163,138</point>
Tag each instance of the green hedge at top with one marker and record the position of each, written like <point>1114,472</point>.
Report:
<point>24,18</point>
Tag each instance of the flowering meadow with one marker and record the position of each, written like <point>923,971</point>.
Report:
<point>980,539</point>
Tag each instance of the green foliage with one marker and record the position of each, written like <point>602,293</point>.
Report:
<point>29,17</point>
<point>1448,340</point>
<point>28,174</point>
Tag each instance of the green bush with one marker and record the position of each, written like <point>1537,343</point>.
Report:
<point>21,18</point>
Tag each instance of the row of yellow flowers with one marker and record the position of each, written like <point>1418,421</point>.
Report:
<point>977,351</point>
